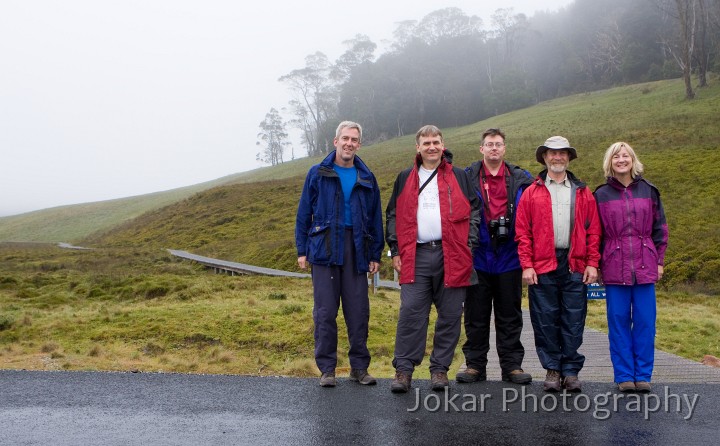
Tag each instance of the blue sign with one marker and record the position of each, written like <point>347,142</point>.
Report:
<point>595,291</point>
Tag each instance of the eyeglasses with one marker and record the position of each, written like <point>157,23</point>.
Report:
<point>499,145</point>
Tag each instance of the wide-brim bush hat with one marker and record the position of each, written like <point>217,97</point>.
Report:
<point>554,143</point>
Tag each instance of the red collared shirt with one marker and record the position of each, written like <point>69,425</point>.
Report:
<point>494,192</point>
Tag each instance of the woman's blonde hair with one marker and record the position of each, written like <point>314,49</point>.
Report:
<point>637,166</point>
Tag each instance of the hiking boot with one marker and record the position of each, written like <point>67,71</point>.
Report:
<point>517,376</point>
<point>572,384</point>
<point>328,379</point>
<point>470,375</point>
<point>401,383</point>
<point>362,376</point>
<point>439,381</point>
<point>626,387</point>
<point>552,381</point>
<point>642,386</point>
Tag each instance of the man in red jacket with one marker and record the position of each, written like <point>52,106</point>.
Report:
<point>558,234</point>
<point>432,221</point>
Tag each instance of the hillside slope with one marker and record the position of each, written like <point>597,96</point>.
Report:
<point>252,220</point>
<point>73,222</point>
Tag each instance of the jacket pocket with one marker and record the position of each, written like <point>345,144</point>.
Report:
<point>649,261</point>
<point>319,243</point>
<point>611,262</point>
<point>459,228</point>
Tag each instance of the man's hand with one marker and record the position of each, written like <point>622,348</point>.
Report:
<point>302,262</point>
<point>661,270</point>
<point>590,275</point>
<point>374,267</point>
<point>397,263</point>
<point>529,276</point>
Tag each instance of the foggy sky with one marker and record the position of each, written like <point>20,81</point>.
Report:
<point>103,99</point>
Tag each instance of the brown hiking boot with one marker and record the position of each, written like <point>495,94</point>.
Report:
<point>401,383</point>
<point>572,384</point>
<point>642,387</point>
<point>470,375</point>
<point>552,381</point>
<point>517,376</point>
<point>328,379</point>
<point>362,376</point>
<point>439,381</point>
<point>626,387</point>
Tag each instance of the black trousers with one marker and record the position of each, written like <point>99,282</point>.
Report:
<point>503,294</point>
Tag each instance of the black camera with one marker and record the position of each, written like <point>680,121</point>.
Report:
<point>500,229</point>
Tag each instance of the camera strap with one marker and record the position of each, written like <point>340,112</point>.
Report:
<point>485,191</point>
<point>432,175</point>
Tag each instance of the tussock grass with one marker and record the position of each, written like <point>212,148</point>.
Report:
<point>204,324</point>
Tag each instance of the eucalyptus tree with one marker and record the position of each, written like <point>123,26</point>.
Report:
<point>314,102</point>
<point>273,138</point>
<point>360,50</point>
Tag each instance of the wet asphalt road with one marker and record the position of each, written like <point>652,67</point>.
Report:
<point>98,408</point>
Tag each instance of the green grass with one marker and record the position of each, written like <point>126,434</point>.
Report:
<point>95,310</point>
<point>125,309</point>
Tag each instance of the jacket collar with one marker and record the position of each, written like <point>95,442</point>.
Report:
<point>447,158</point>
<point>361,167</point>
<point>614,182</point>
<point>542,176</point>
<point>515,172</point>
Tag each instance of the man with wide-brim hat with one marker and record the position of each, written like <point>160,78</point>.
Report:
<point>554,143</point>
<point>558,233</point>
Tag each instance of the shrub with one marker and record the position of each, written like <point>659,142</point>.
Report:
<point>290,309</point>
<point>6,322</point>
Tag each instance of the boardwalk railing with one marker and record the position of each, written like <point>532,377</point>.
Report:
<point>233,268</point>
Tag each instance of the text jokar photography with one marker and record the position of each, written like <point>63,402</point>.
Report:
<point>600,406</point>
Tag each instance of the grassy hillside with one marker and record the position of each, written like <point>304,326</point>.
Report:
<point>73,222</point>
<point>252,220</point>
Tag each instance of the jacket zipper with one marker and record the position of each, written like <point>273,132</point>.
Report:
<point>629,220</point>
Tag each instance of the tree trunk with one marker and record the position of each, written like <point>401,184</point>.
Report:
<point>703,55</point>
<point>686,16</point>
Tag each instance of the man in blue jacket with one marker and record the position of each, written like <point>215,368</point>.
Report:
<point>498,184</point>
<point>339,231</point>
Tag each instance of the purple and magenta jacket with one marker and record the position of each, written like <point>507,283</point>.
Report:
<point>635,232</point>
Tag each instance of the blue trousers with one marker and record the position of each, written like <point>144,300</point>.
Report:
<point>558,307</point>
<point>331,286</point>
<point>631,313</point>
<point>416,300</point>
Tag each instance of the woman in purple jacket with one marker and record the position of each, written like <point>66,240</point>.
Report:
<point>635,236</point>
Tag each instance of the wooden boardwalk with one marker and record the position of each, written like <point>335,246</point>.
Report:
<point>669,368</point>
<point>598,368</point>
<point>226,267</point>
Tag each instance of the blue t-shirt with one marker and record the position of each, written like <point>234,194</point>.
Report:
<point>348,176</point>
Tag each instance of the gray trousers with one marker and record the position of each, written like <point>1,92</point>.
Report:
<point>416,300</point>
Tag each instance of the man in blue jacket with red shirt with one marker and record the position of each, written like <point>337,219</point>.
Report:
<point>558,233</point>
<point>498,185</point>
<point>339,231</point>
